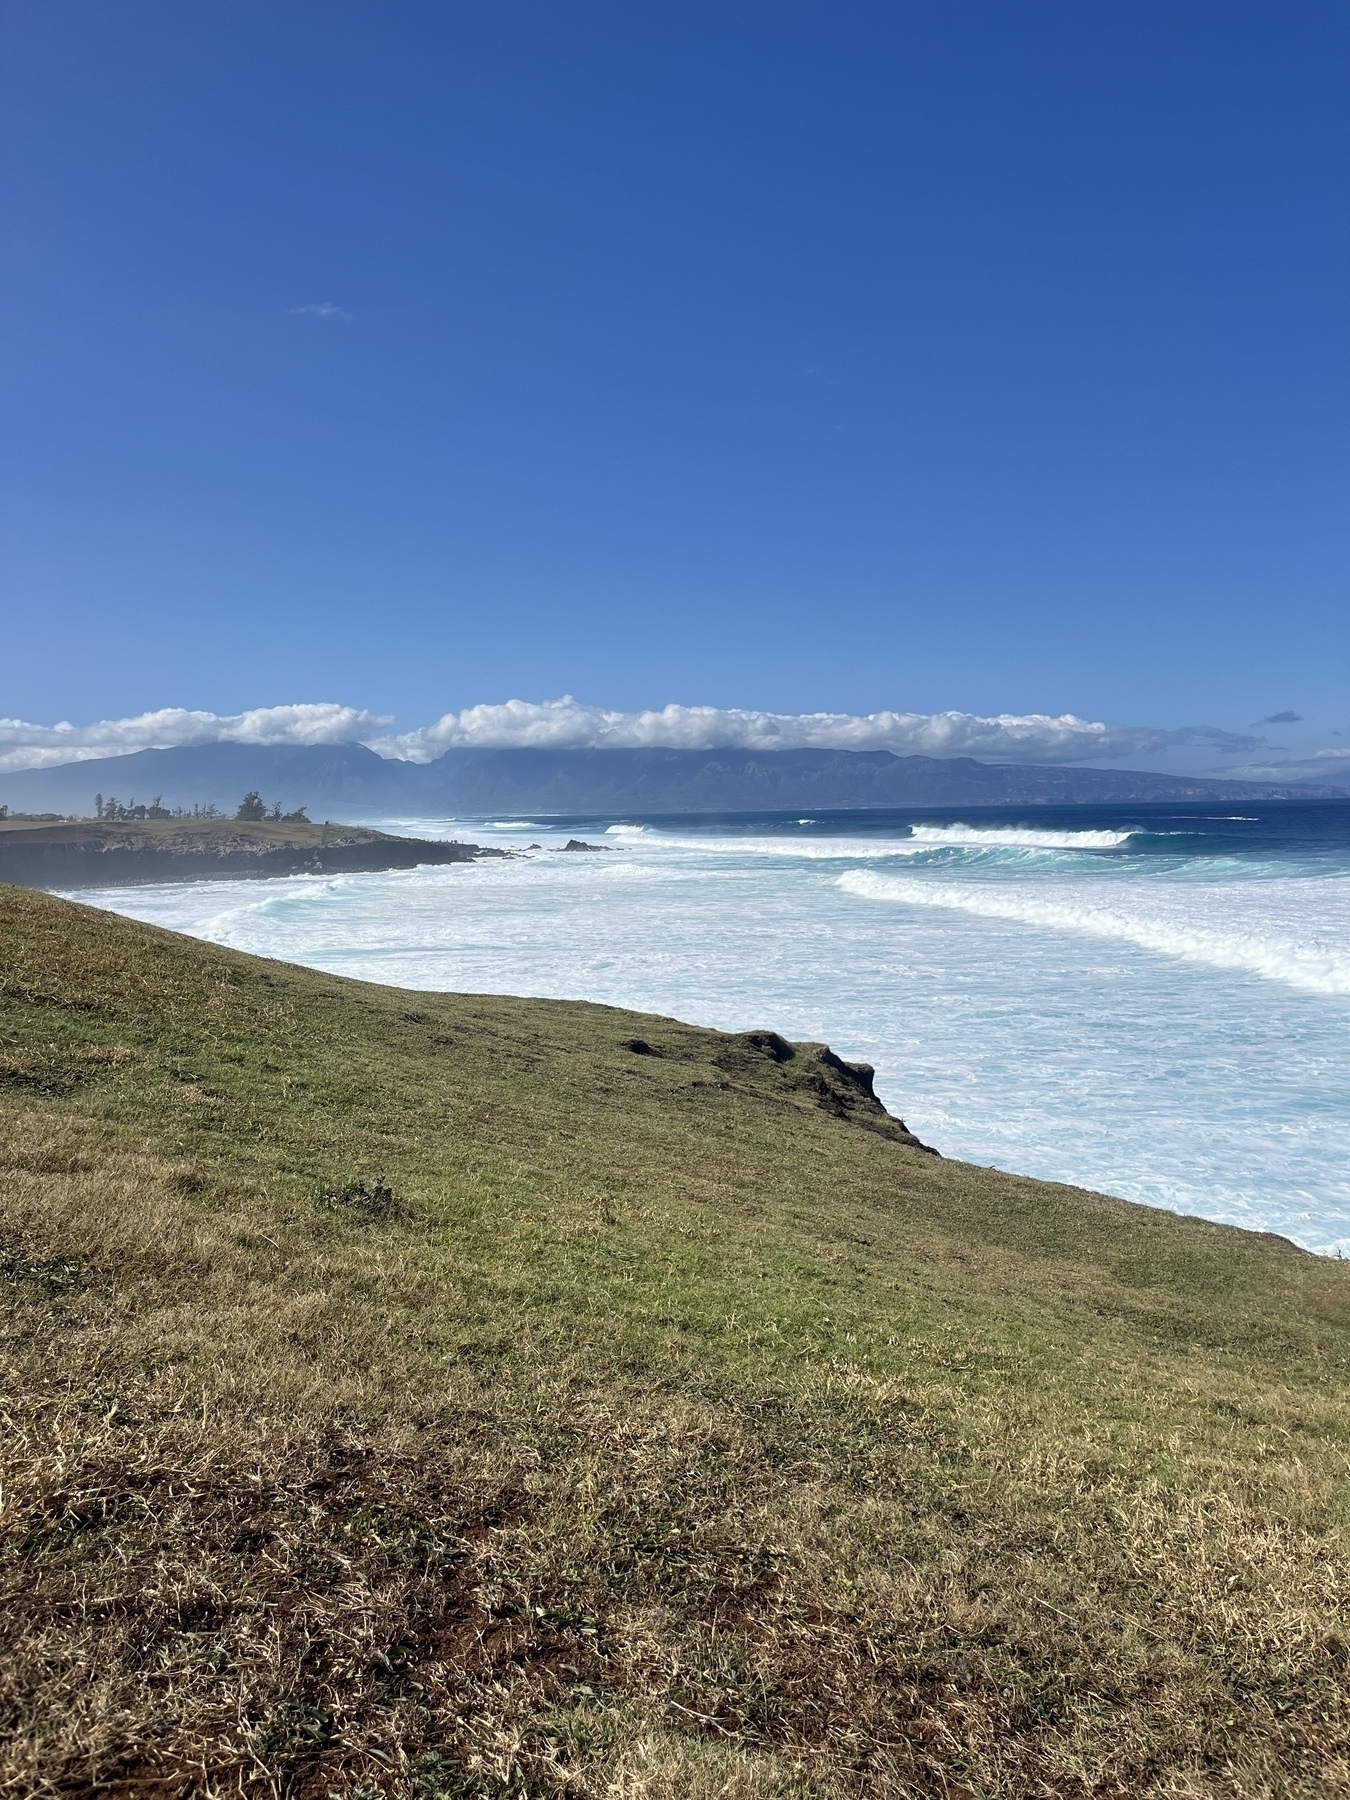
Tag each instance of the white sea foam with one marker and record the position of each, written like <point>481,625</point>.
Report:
<point>921,838</point>
<point>1167,1027</point>
<point>923,841</point>
<point>792,849</point>
<point>1018,837</point>
<point>1318,967</point>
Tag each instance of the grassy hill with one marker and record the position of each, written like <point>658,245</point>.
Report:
<point>432,1395</point>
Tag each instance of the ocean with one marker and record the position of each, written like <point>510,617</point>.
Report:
<point>1153,1001</point>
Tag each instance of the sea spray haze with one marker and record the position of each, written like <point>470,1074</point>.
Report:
<point>1151,1001</point>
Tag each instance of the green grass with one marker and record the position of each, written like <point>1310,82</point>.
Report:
<point>427,1395</point>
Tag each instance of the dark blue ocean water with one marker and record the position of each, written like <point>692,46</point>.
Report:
<point>1280,830</point>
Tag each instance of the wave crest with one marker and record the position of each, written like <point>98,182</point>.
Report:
<point>1018,837</point>
<point>1316,968</point>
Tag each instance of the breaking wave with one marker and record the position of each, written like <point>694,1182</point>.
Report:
<point>794,849</point>
<point>1168,1021</point>
<point>923,840</point>
<point>1318,968</point>
<point>1018,837</point>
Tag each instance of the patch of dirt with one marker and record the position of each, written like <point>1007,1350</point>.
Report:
<point>370,1203</point>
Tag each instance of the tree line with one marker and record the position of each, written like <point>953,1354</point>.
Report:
<point>252,810</point>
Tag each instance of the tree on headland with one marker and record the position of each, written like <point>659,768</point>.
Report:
<point>253,810</point>
<point>113,809</point>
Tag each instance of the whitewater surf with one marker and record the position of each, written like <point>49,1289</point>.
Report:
<point>1154,1002</point>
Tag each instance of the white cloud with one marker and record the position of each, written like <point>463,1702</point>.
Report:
<point>25,746</point>
<point>568,724</point>
<point>323,309</point>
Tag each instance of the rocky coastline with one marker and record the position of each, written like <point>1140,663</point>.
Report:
<point>97,854</point>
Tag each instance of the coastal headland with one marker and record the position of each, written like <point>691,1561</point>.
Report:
<point>84,853</point>
<point>424,1394</point>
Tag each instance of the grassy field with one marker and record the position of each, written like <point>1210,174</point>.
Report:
<point>436,1396</point>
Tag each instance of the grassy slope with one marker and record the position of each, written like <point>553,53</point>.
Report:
<point>665,1436</point>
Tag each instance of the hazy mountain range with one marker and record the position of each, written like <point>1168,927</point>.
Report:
<point>350,781</point>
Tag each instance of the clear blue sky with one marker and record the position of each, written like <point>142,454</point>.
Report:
<point>834,355</point>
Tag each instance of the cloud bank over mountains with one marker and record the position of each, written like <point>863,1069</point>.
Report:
<point>25,746</point>
<point>568,724</point>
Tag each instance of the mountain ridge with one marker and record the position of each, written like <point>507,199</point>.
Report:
<point>328,777</point>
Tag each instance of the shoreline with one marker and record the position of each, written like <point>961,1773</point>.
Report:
<point>576,927</point>
<point>81,854</point>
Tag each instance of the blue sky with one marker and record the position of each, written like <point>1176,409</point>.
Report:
<point>786,357</point>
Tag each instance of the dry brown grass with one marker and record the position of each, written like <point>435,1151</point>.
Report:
<point>663,1433</point>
